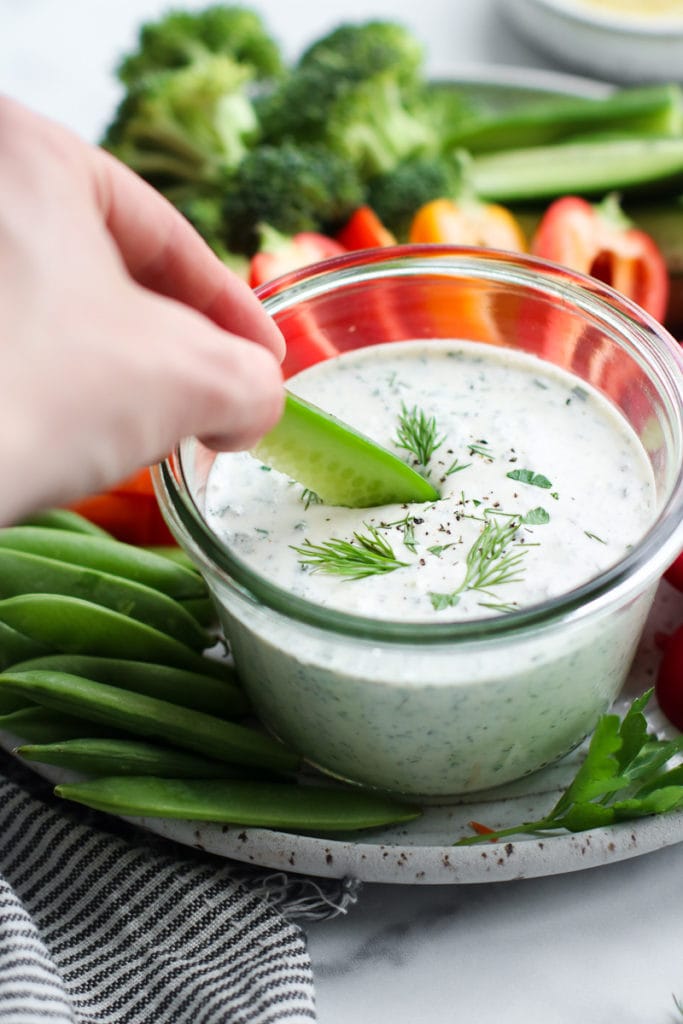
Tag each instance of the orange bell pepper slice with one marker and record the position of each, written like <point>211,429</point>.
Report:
<point>468,222</point>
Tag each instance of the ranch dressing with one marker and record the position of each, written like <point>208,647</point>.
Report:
<point>524,448</point>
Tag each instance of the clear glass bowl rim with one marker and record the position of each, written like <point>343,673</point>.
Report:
<point>628,577</point>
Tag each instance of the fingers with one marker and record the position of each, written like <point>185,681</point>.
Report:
<point>164,253</point>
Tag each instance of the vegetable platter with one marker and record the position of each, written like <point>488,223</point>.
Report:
<point>320,827</point>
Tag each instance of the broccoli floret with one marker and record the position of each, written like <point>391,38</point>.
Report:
<point>292,189</point>
<point>190,125</point>
<point>181,37</point>
<point>358,92</point>
<point>396,196</point>
<point>361,51</point>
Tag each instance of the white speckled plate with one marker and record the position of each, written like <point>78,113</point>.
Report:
<point>423,852</point>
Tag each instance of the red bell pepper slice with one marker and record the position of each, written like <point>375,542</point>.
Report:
<point>364,230</point>
<point>280,254</point>
<point>669,679</point>
<point>674,574</point>
<point>599,240</point>
<point>128,510</point>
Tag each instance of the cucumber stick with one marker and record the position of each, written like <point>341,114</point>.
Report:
<point>586,167</point>
<point>342,466</point>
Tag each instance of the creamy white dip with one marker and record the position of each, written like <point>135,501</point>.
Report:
<point>523,449</point>
<point>450,715</point>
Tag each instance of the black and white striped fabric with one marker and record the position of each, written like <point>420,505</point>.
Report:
<point>100,928</point>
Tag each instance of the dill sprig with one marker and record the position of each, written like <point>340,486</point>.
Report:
<point>417,433</point>
<point>366,555</point>
<point>489,563</point>
<point>310,497</point>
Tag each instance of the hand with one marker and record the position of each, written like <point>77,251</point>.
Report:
<point>120,331</point>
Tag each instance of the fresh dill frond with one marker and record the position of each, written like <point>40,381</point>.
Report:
<point>417,433</point>
<point>365,555</point>
<point>489,563</point>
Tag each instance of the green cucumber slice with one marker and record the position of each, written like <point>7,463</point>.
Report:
<point>342,466</point>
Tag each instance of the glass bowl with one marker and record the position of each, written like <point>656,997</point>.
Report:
<point>437,709</point>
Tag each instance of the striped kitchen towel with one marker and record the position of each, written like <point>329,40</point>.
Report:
<point>104,928</point>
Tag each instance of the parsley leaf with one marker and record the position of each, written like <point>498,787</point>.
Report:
<point>527,476</point>
<point>623,776</point>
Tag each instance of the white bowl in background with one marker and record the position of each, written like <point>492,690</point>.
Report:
<point>627,41</point>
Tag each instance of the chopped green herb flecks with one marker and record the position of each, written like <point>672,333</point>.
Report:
<point>594,536</point>
<point>366,555</point>
<point>536,517</point>
<point>309,497</point>
<point>527,476</point>
<point>480,448</point>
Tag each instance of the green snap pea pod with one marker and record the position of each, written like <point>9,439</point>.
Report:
<point>173,552</point>
<point>94,756</point>
<point>220,697</point>
<point>266,804</point>
<point>15,646</point>
<point>74,626</point>
<point>151,718</point>
<point>108,555</point>
<point>10,702</point>
<point>24,573</point>
<point>202,609</point>
<point>64,519</point>
<point>42,725</point>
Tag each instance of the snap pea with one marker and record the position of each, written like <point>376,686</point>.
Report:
<point>15,646</point>
<point>22,572</point>
<point>10,702</point>
<point>104,756</point>
<point>151,717</point>
<point>108,555</point>
<point>173,552</point>
<point>42,725</point>
<point>74,626</point>
<point>265,804</point>
<point>201,608</point>
<point>64,519</point>
<point>220,697</point>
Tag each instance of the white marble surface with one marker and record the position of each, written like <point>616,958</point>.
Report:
<point>593,947</point>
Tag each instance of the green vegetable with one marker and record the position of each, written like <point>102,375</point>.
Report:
<point>271,805</point>
<point>358,92</point>
<point>291,188</point>
<point>22,572</point>
<point>107,555</point>
<point>342,466</point>
<point>179,38</point>
<point>366,555</point>
<point>41,725</point>
<point>623,776</point>
<point>588,168</point>
<point>646,110</point>
<point>64,519</point>
<point>74,626</point>
<point>191,126</point>
<point>15,646</point>
<point>104,756</point>
<point>221,697</point>
<point>397,195</point>
<point>150,717</point>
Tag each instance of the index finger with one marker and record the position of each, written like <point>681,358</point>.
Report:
<point>164,253</point>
